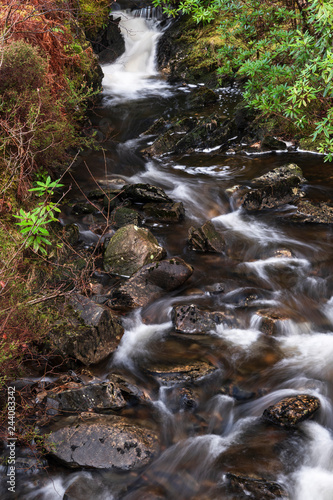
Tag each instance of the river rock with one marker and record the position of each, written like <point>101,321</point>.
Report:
<point>130,248</point>
<point>270,321</point>
<point>84,488</point>
<point>308,212</point>
<point>150,283</point>
<point>188,134</point>
<point>103,442</point>
<point>256,489</point>
<point>123,216</point>
<point>292,410</point>
<point>190,319</point>
<point>99,397</point>
<point>169,375</point>
<point>87,332</point>
<point>145,193</point>
<point>274,189</point>
<point>206,238</point>
<point>165,212</point>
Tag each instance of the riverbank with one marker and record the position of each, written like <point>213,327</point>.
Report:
<point>49,76</point>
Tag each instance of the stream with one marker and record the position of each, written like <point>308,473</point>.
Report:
<point>217,431</point>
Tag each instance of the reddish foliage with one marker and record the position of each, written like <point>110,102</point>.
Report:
<point>44,24</point>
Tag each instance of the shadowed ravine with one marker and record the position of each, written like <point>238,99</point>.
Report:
<point>206,391</point>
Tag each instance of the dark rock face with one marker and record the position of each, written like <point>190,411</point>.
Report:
<point>129,249</point>
<point>109,44</point>
<point>257,489</point>
<point>165,212</point>
<point>106,442</point>
<point>291,410</point>
<point>145,193</point>
<point>150,283</point>
<point>206,239</point>
<point>274,189</point>
<point>202,96</point>
<point>191,319</point>
<point>308,212</point>
<point>105,396</point>
<point>89,334</point>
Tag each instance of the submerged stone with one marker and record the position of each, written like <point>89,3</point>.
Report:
<point>185,373</point>
<point>253,488</point>
<point>129,249</point>
<point>292,410</point>
<point>150,283</point>
<point>206,239</point>
<point>191,319</point>
<point>103,442</point>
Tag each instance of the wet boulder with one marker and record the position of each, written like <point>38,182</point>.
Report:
<point>206,238</point>
<point>150,283</point>
<point>165,212</point>
<point>145,193</point>
<point>274,189</point>
<point>190,319</point>
<point>98,397</point>
<point>87,332</point>
<point>254,488</point>
<point>292,410</point>
<point>102,442</point>
<point>182,373</point>
<point>311,213</point>
<point>129,249</point>
<point>270,321</point>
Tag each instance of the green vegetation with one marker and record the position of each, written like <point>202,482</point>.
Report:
<point>33,222</point>
<point>282,52</point>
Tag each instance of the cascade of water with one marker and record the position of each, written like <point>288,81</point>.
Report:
<point>131,76</point>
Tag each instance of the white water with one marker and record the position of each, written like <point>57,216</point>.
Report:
<point>133,75</point>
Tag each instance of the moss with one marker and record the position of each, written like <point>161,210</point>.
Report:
<point>193,51</point>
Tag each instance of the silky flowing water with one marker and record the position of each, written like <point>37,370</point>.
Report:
<point>224,431</point>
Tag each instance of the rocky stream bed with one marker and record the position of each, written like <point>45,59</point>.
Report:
<point>198,362</point>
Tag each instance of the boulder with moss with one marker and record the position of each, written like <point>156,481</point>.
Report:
<point>130,248</point>
<point>85,331</point>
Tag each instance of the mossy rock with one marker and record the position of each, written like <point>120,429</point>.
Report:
<point>129,249</point>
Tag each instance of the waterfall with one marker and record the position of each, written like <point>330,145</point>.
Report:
<point>134,75</point>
